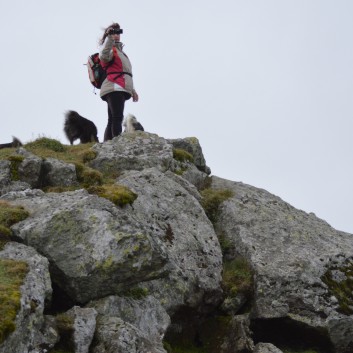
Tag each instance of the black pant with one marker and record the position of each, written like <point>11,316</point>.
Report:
<point>116,104</point>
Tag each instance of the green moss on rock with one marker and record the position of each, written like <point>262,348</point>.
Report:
<point>9,215</point>
<point>15,161</point>
<point>342,289</point>
<point>12,275</point>
<point>136,293</point>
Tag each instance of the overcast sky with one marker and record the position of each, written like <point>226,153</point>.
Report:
<point>265,85</point>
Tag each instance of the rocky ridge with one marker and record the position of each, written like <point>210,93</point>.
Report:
<point>156,274</point>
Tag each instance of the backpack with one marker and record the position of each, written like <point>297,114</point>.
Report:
<point>96,73</point>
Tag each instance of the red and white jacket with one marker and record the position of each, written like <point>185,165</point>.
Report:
<point>118,68</point>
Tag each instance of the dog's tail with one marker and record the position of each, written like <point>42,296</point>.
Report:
<point>16,142</point>
<point>70,117</point>
<point>70,125</point>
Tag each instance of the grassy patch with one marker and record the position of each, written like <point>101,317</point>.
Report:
<point>45,143</point>
<point>226,244</point>
<point>59,189</point>
<point>88,176</point>
<point>12,274</point>
<point>9,215</point>
<point>49,148</point>
<point>88,155</point>
<point>5,236</point>
<point>182,155</point>
<point>118,194</point>
<point>212,199</point>
<point>237,277</point>
<point>76,154</point>
<point>5,153</point>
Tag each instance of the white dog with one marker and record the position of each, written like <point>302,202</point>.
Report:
<point>131,124</point>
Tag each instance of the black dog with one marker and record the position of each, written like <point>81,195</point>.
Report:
<point>15,143</point>
<point>78,127</point>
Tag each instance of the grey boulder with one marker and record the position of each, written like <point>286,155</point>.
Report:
<point>94,248</point>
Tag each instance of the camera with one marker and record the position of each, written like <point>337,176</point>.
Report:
<point>115,31</point>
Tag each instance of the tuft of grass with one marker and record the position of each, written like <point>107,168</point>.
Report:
<point>237,277</point>
<point>88,155</point>
<point>212,199</point>
<point>226,244</point>
<point>46,144</point>
<point>118,194</point>
<point>64,322</point>
<point>182,155</point>
<point>12,275</point>
<point>9,215</point>
<point>5,236</point>
<point>65,325</point>
<point>88,176</point>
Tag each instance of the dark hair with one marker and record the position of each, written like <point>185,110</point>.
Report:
<point>113,25</point>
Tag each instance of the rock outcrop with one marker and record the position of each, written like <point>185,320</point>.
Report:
<point>295,257</point>
<point>158,273</point>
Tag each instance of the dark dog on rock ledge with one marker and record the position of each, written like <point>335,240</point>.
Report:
<point>15,143</point>
<point>77,127</point>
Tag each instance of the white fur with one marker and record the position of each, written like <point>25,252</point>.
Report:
<point>129,122</point>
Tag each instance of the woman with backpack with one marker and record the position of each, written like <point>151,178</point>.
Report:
<point>118,85</point>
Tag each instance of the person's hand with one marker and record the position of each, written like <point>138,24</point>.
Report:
<point>109,31</point>
<point>135,96</point>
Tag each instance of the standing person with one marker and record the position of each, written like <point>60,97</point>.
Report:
<point>118,85</point>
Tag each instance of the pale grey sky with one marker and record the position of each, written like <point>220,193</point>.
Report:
<point>265,85</point>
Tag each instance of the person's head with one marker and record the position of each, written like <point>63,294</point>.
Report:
<point>113,29</point>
